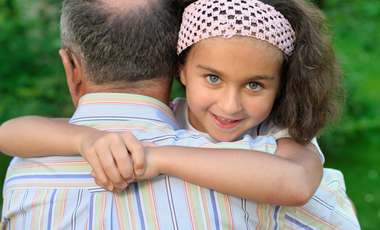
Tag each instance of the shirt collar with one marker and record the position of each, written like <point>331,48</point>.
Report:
<point>123,106</point>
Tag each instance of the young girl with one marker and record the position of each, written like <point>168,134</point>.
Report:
<point>249,68</point>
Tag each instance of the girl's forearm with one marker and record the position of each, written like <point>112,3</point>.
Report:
<point>248,174</point>
<point>288,178</point>
<point>38,136</point>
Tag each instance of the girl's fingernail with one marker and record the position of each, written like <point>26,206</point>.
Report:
<point>139,171</point>
<point>110,187</point>
<point>123,185</point>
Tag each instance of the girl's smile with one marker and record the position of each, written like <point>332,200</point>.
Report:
<point>231,84</point>
<point>224,122</point>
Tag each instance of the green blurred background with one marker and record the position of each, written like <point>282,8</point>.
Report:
<point>32,82</point>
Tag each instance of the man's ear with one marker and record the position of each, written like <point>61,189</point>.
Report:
<point>74,75</point>
<point>181,71</point>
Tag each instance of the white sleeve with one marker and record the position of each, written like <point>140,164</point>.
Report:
<point>269,128</point>
<point>319,151</point>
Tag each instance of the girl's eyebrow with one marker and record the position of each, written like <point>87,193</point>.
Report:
<point>210,69</point>
<point>253,78</point>
<point>262,77</point>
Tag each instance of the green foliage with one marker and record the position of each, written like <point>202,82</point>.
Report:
<point>32,76</point>
<point>177,90</point>
<point>32,82</point>
<point>32,79</point>
<point>353,147</point>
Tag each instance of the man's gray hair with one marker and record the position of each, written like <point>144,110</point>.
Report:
<point>126,44</point>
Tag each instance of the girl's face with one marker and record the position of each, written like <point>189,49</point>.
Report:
<point>231,84</point>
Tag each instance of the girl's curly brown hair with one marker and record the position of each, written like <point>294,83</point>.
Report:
<point>310,92</point>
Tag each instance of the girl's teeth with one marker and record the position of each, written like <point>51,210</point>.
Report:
<point>224,120</point>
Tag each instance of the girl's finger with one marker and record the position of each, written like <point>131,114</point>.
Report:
<point>136,149</point>
<point>110,157</point>
<point>123,162</point>
<point>109,188</point>
<point>97,169</point>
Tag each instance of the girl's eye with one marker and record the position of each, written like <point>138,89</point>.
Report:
<point>213,79</point>
<point>253,86</point>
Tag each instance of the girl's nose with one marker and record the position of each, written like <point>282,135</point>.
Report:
<point>230,103</point>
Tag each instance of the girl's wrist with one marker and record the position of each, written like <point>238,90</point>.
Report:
<point>157,159</point>
<point>81,136</point>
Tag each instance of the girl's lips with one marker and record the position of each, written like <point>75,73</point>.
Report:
<point>224,122</point>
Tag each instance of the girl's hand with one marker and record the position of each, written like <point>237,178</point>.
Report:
<point>115,158</point>
<point>150,169</point>
<point>154,158</point>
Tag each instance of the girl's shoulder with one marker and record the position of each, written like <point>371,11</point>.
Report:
<point>178,101</point>
<point>180,112</point>
<point>268,127</point>
<point>178,104</point>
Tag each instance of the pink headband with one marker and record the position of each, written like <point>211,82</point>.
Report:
<point>209,18</point>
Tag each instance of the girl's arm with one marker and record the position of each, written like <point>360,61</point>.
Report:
<point>289,178</point>
<point>38,136</point>
<point>30,136</point>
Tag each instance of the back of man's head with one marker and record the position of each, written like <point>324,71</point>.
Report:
<point>121,41</point>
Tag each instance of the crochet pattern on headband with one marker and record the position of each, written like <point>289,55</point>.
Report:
<point>210,18</point>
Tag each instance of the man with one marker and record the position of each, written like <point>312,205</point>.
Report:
<point>129,47</point>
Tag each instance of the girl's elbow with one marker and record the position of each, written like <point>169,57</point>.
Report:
<point>303,196</point>
<point>303,193</point>
<point>296,196</point>
<point>302,189</point>
<point>294,193</point>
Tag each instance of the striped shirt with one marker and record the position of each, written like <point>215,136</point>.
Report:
<point>58,192</point>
